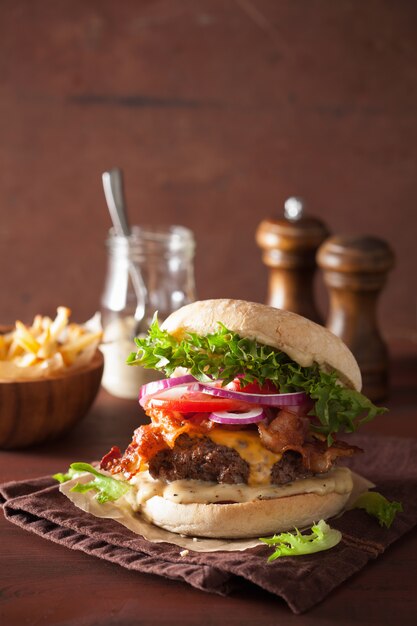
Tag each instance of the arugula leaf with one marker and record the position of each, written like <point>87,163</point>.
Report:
<point>62,478</point>
<point>107,487</point>
<point>376,504</point>
<point>322,537</point>
<point>337,407</point>
<point>224,354</point>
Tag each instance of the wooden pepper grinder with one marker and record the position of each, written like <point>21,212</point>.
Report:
<point>289,249</point>
<point>355,270</point>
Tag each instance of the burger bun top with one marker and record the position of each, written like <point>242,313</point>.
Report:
<point>302,340</point>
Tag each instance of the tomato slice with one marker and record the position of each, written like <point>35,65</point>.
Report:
<point>196,402</point>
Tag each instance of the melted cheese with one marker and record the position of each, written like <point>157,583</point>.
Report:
<point>248,445</point>
<point>338,480</point>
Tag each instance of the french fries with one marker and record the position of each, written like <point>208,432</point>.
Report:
<point>46,346</point>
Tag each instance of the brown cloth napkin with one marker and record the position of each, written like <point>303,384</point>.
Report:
<point>302,582</point>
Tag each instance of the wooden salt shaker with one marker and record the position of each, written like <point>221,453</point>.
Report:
<point>289,249</point>
<point>355,271</point>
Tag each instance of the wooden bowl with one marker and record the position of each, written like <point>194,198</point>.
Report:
<point>32,411</point>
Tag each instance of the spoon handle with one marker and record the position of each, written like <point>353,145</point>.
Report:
<point>114,193</point>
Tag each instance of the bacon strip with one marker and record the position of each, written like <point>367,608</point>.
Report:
<point>291,432</point>
<point>318,458</point>
<point>287,431</point>
<point>111,458</point>
<point>148,440</point>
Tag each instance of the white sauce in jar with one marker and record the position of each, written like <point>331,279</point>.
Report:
<point>119,378</point>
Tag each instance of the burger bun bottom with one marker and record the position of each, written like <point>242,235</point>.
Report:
<point>243,520</point>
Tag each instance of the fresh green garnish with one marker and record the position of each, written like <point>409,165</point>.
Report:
<point>376,504</point>
<point>224,354</point>
<point>62,478</point>
<point>107,487</point>
<point>322,537</point>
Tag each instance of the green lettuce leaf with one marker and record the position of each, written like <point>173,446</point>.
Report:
<point>224,354</point>
<point>322,537</point>
<point>107,487</point>
<point>376,504</point>
<point>62,478</point>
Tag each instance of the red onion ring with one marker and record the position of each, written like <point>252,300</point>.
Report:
<point>268,399</point>
<point>166,383</point>
<point>230,417</point>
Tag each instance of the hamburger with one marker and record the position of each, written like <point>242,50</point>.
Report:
<point>243,439</point>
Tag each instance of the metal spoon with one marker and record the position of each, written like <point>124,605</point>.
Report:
<point>114,193</point>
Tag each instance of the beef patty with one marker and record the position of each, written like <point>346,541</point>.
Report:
<point>199,459</point>
<point>202,459</point>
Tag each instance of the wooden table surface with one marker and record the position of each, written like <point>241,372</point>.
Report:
<point>42,583</point>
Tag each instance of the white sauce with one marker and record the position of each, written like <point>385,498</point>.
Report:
<point>120,379</point>
<point>197,491</point>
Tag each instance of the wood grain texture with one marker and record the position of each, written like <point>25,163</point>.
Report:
<point>42,583</point>
<point>289,252</point>
<point>355,270</point>
<point>33,411</point>
<point>217,110</point>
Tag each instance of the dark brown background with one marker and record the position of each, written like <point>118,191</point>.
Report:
<point>217,110</point>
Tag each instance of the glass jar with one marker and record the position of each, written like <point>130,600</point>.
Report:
<point>150,271</point>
